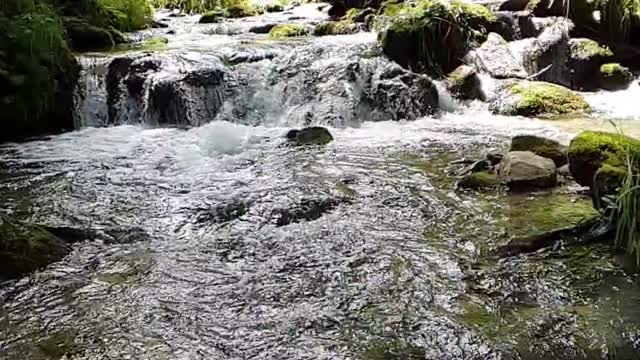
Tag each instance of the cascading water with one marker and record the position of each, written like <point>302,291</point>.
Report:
<point>393,269</point>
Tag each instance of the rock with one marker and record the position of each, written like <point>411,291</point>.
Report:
<point>342,27</point>
<point>597,159</point>
<point>432,37</point>
<point>274,7</point>
<point>534,98</point>
<point>465,84</point>
<point>522,170</point>
<point>314,135</point>
<point>83,37</point>
<point>495,58</point>
<point>513,5</point>
<point>544,147</point>
<point>159,25</point>
<point>358,15</point>
<point>479,180</point>
<point>25,248</point>
<point>223,212</point>
<point>564,171</point>
<point>287,30</point>
<point>615,77</point>
<point>478,166</point>
<point>241,9</point>
<point>585,58</point>
<point>262,29</point>
<point>494,158</point>
<point>308,210</point>
<point>210,17</point>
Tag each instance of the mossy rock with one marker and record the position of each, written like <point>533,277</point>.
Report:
<point>585,58</point>
<point>154,43</point>
<point>598,159</point>
<point>341,27</point>
<point>534,98</point>
<point>25,248</point>
<point>614,76</point>
<point>83,36</point>
<point>211,17</point>
<point>540,146</point>
<point>465,84</point>
<point>314,135</point>
<point>479,180</point>
<point>432,36</point>
<point>241,10</point>
<point>287,30</point>
<point>274,7</point>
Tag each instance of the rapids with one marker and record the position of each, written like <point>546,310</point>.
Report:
<point>396,271</point>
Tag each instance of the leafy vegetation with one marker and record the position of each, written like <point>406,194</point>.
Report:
<point>231,8</point>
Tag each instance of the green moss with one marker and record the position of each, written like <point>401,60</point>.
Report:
<point>241,9</point>
<point>342,27</point>
<point>479,180</point>
<point>587,48</point>
<point>615,76</point>
<point>287,30</point>
<point>392,349</point>
<point>25,248</point>
<point>540,98</point>
<point>344,190</point>
<point>476,16</point>
<point>155,43</point>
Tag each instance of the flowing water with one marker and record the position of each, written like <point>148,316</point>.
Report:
<point>397,269</point>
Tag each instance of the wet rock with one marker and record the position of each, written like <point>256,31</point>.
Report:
<point>597,159</point>
<point>274,7</point>
<point>494,158</point>
<point>585,58</point>
<point>159,25</point>
<point>615,77</point>
<point>479,180</point>
<point>360,16</point>
<point>122,235</point>
<point>82,36</point>
<point>250,56</point>
<point>540,146</point>
<point>210,17</point>
<point>465,84</point>
<point>534,98</point>
<point>523,170</point>
<point>307,210</point>
<point>25,248</point>
<point>564,171</point>
<point>314,135</point>
<point>494,57</point>
<point>431,37</point>
<point>478,166</point>
<point>341,27</point>
<point>262,29</point>
<point>223,213</point>
<point>287,30</point>
<point>513,5</point>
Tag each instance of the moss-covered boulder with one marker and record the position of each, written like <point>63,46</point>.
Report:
<point>287,30</point>
<point>342,27</point>
<point>241,9</point>
<point>540,146</point>
<point>464,83</point>
<point>614,76</point>
<point>597,159</point>
<point>534,98</point>
<point>314,135</point>
<point>211,17</point>
<point>83,36</point>
<point>25,248</point>
<point>479,180</point>
<point>432,36</point>
<point>585,58</point>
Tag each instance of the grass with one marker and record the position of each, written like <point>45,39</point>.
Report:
<point>626,209</point>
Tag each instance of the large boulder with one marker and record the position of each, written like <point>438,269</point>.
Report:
<point>464,83</point>
<point>432,36</point>
<point>585,58</point>
<point>314,135</point>
<point>25,248</point>
<point>598,159</point>
<point>544,147</point>
<point>495,58</point>
<point>83,36</point>
<point>614,76</point>
<point>522,170</point>
<point>534,98</point>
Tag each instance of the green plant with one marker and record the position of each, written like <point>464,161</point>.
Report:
<point>616,19</point>
<point>124,15</point>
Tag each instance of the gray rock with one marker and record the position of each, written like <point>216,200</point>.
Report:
<point>585,58</point>
<point>465,84</point>
<point>494,57</point>
<point>522,170</point>
<point>540,146</point>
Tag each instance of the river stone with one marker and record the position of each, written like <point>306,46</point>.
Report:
<point>83,36</point>
<point>522,170</point>
<point>585,58</point>
<point>307,210</point>
<point>314,135</point>
<point>479,180</point>
<point>513,5</point>
<point>464,83</point>
<point>262,29</point>
<point>544,147</point>
<point>25,248</point>
<point>495,58</point>
<point>536,98</point>
<point>614,76</point>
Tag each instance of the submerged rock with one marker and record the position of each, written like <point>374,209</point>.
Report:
<point>544,147</point>
<point>25,248</point>
<point>262,29</point>
<point>307,210</point>
<point>479,180</point>
<point>534,98</point>
<point>615,77</point>
<point>314,135</point>
<point>522,170</point>
<point>210,17</point>
<point>464,83</point>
